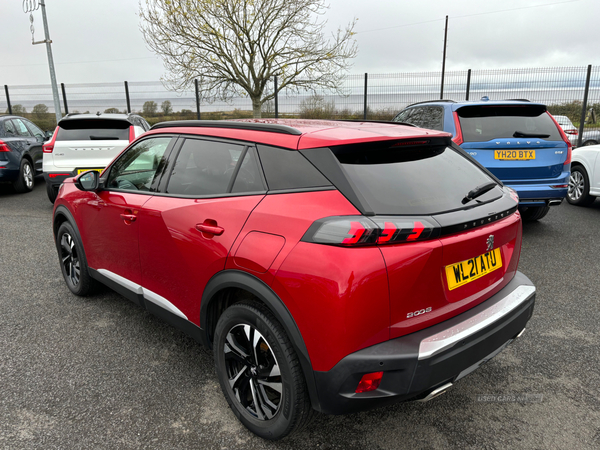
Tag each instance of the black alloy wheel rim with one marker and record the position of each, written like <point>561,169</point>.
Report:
<point>253,372</point>
<point>70,259</point>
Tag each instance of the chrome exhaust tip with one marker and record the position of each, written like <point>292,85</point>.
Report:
<point>554,202</point>
<point>521,333</point>
<point>436,392</point>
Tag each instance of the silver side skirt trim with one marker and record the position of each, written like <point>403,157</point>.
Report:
<point>163,303</point>
<point>447,338</point>
<point>133,287</point>
<point>148,294</point>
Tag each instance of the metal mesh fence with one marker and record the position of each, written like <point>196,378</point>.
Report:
<point>561,88</point>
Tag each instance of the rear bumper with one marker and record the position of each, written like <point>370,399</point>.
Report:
<point>418,363</point>
<point>538,192</point>
<point>9,167</point>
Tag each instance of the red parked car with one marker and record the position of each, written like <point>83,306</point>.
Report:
<point>331,266</point>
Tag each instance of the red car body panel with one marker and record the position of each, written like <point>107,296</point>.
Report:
<point>111,241</point>
<point>418,280</point>
<point>178,260</point>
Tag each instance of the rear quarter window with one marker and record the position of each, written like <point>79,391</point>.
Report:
<point>93,130</point>
<point>484,123</point>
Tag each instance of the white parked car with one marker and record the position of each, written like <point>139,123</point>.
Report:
<point>569,129</point>
<point>584,183</point>
<point>87,141</point>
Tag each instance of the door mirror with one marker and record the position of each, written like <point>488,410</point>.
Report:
<point>88,181</point>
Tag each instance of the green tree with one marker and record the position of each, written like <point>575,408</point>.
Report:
<point>149,109</point>
<point>18,110</point>
<point>112,111</point>
<point>40,109</point>
<point>236,47</point>
<point>166,107</point>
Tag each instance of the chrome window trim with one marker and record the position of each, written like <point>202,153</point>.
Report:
<point>445,339</point>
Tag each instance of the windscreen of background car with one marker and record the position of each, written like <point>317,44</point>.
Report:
<point>412,180</point>
<point>484,123</point>
<point>93,130</point>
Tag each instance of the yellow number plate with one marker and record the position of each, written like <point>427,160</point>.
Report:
<point>85,170</point>
<point>464,272</point>
<point>514,155</point>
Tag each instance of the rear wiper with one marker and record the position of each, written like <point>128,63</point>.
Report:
<point>104,138</point>
<point>478,191</point>
<point>531,135</point>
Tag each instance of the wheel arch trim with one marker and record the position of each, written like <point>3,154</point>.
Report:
<point>242,280</point>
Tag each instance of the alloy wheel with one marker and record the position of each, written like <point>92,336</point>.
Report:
<point>28,176</point>
<point>253,371</point>
<point>576,185</point>
<point>70,259</point>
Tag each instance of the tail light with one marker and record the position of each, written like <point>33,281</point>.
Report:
<point>573,132</point>
<point>49,146</point>
<point>4,147</point>
<point>565,138</point>
<point>353,231</point>
<point>131,133</point>
<point>458,139</point>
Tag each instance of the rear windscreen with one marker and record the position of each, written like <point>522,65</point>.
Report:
<point>418,180</point>
<point>484,123</point>
<point>93,130</point>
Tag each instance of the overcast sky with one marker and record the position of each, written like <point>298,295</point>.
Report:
<point>98,41</point>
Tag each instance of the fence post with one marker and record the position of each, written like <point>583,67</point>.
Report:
<point>127,98</point>
<point>8,99</point>
<point>365,97</point>
<point>584,106</point>
<point>197,98</point>
<point>62,87</point>
<point>468,84</point>
<point>276,99</point>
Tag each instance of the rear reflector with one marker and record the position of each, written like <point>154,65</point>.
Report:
<point>560,186</point>
<point>369,382</point>
<point>350,231</point>
<point>54,175</point>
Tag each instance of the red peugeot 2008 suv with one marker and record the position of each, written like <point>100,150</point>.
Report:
<point>331,266</point>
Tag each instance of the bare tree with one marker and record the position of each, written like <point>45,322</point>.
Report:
<point>234,47</point>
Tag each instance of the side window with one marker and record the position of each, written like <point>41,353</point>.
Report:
<point>34,129</point>
<point>21,128</point>
<point>248,178</point>
<point>139,166</point>
<point>416,118</point>
<point>432,117</point>
<point>404,116</point>
<point>289,169</point>
<point>204,168</point>
<point>9,128</point>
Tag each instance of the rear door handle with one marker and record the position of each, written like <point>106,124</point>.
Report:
<point>210,229</point>
<point>128,217</point>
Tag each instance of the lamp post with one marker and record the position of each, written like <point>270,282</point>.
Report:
<point>28,7</point>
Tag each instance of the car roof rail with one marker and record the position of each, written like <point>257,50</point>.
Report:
<point>254,126</point>
<point>390,122</point>
<point>432,101</point>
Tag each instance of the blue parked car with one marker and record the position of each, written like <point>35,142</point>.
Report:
<point>20,151</point>
<point>516,140</point>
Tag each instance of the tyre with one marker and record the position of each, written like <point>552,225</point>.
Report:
<point>579,187</point>
<point>259,372</point>
<point>52,193</point>
<point>533,213</point>
<point>73,262</point>
<point>590,142</point>
<point>25,181</point>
